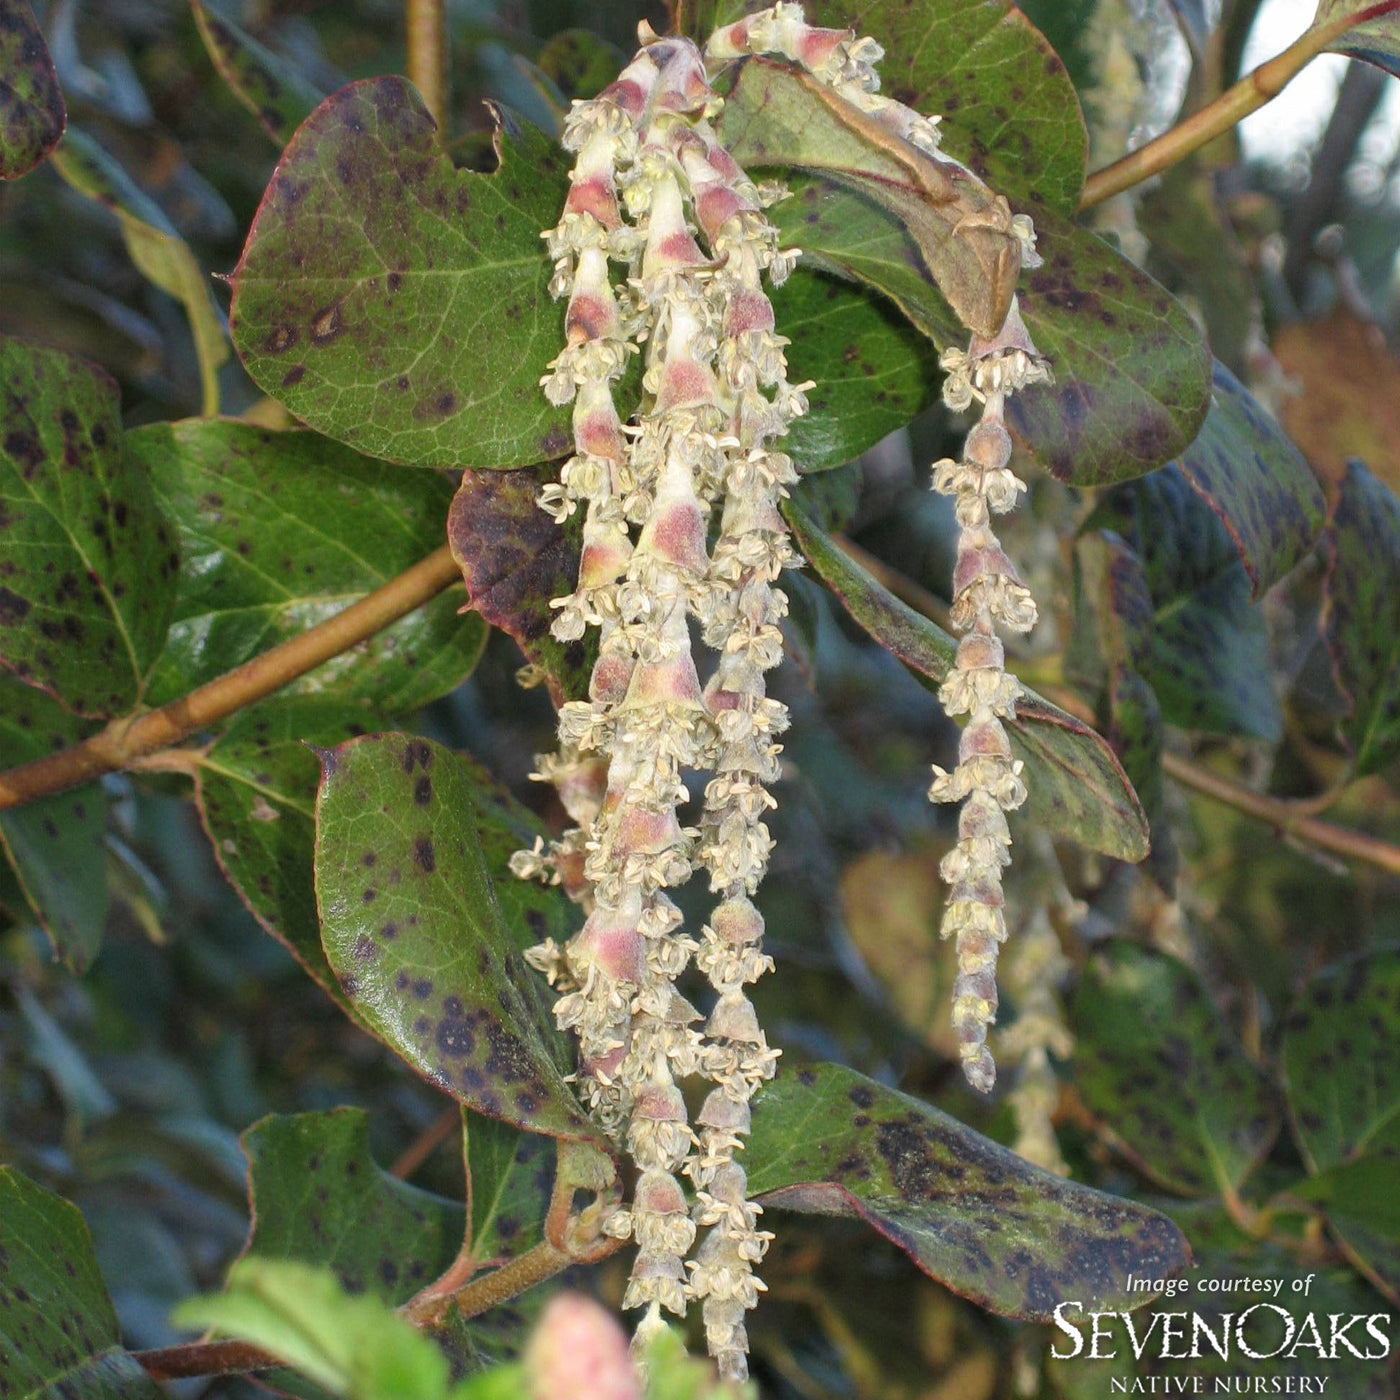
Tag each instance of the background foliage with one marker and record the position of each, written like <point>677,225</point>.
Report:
<point>1212,527</point>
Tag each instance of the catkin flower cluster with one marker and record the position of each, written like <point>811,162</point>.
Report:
<point>987,593</point>
<point>662,251</point>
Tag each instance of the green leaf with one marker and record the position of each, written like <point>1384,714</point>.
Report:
<point>318,1197</point>
<point>1341,1062</point>
<point>412,927</point>
<point>1207,651</point>
<point>514,559</point>
<point>1159,1068</point>
<point>1361,613</point>
<point>1009,1236</point>
<point>1376,39</point>
<point>87,579</point>
<point>56,844</point>
<point>32,111</point>
<point>511,1174</point>
<point>255,788</point>
<point>1246,468</point>
<point>873,372</point>
<point>355,1347</point>
<point>280,531</point>
<point>58,1332</point>
<point>1009,109</point>
<point>1360,1204</point>
<point>1077,787</point>
<point>160,254</point>
<point>396,303</point>
<point>272,89</point>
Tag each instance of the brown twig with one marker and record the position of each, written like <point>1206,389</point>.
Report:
<point>425,27</point>
<point>203,1359</point>
<point>1248,95</point>
<point>132,737</point>
<point>422,1147</point>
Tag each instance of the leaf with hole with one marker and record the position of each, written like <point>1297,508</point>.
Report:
<point>396,303</point>
<point>58,1330</point>
<point>280,531</point>
<point>32,111</point>
<point>160,254</point>
<point>1361,613</point>
<point>1077,787</point>
<point>412,927</point>
<point>1162,1072</point>
<point>87,580</point>
<point>984,1222</point>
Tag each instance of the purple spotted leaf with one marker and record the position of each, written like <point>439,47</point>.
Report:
<point>412,927</point>
<point>1341,1062</point>
<point>55,844</point>
<point>1078,788</point>
<point>1202,645</point>
<point>1132,371</point>
<point>1361,613</point>
<point>265,558</point>
<point>87,577</point>
<point>58,1330</point>
<point>514,559</point>
<point>1159,1069</point>
<point>397,303</point>
<point>255,789</point>
<point>1245,467</point>
<point>32,111</point>
<point>511,1174</point>
<point>981,1220</point>
<point>318,1196</point>
<point>1341,1070</point>
<point>1373,37</point>
<point>274,90</point>
<point>422,339</point>
<point>1009,109</point>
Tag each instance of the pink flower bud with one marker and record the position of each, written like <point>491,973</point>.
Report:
<point>578,1350</point>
